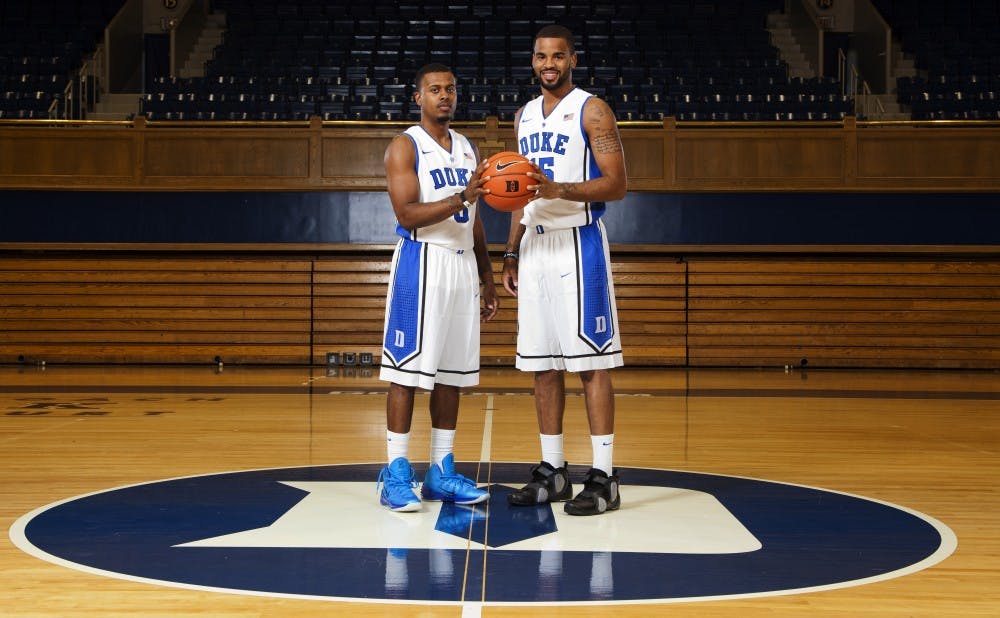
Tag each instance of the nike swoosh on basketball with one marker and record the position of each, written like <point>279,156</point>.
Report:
<point>502,166</point>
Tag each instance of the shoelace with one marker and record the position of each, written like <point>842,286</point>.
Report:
<point>386,478</point>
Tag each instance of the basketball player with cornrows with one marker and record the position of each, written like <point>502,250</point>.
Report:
<point>431,336</point>
<point>557,263</point>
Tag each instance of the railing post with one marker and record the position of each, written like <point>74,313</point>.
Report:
<point>850,151</point>
<point>315,149</point>
<point>670,152</point>
<point>139,142</point>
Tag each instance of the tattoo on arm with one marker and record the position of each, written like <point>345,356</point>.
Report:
<point>604,137</point>
<point>607,142</point>
<point>568,188</point>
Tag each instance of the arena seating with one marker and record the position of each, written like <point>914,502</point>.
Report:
<point>956,45</point>
<point>693,59</point>
<point>41,43</point>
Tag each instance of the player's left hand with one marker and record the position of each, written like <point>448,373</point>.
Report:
<point>475,187</point>
<point>491,302</point>
<point>544,187</point>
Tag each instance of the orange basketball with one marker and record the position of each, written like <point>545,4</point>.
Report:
<point>508,181</point>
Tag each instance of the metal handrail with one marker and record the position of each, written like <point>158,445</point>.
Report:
<point>854,85</point>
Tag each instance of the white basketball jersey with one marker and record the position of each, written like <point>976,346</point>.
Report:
<point>442,174</point>
<point>559,146</point>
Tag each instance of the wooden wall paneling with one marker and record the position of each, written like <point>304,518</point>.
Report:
<point>45,157</point>
<point>353,158</point>
<point>667,156</point>
<point>647,158</point>
<point>227,158</point>
<point>911,159</point>
<point>724,159</point>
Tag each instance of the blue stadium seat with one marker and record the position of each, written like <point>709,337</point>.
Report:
<point>699,59</point>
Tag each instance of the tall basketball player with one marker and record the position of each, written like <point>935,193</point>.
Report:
<point>558,265</point>
<point>431,337</point>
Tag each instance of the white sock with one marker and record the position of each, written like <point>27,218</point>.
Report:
<point>442,443</point>
<point>397,444</point>
<point>604,447</point>
<point>552,449</point>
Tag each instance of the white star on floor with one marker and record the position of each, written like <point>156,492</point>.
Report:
<point>652,519</point>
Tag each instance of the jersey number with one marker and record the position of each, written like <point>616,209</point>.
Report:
<point>545,164</point>
<point>462,216</point>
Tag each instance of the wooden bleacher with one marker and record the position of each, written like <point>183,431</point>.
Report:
<point>674,309</point>
<point>844,312</point>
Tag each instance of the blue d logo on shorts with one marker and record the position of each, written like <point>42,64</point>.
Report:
<point>402,337</point>
<point>596,323</point>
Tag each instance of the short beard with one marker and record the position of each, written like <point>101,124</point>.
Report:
<point>556,85</point>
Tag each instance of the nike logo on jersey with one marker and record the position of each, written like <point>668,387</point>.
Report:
<point>426,151</point>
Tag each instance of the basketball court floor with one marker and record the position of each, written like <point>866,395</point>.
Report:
<point>243,491</point>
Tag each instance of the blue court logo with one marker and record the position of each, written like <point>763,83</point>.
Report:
<point>319,532</point>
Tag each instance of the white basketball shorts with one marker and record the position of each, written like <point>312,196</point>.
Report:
<point>566,313</point>
<point>431,332</point>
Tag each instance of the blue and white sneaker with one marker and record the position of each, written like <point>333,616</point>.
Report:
<point>443,484</point>
<point>397,486</point>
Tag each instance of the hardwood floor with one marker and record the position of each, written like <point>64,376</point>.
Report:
<point>925,441</point>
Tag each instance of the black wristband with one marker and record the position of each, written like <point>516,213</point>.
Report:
<point>510,254</point>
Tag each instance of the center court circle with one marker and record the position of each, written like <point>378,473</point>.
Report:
<point>318,532</point>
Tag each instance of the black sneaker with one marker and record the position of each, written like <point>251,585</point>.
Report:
<point>547,484</point>
<point>600,494</point>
